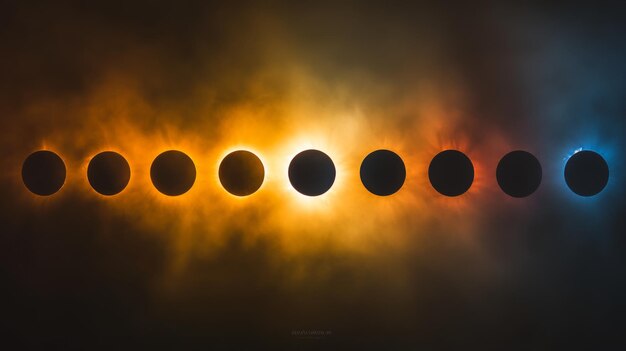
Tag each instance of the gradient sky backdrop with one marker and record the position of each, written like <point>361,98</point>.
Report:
<point>413,270</point>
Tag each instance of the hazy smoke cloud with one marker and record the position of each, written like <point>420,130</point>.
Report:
<point>410,271</point>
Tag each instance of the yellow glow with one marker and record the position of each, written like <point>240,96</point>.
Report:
<point>228,151</point>
<point>284,157</point>
<point>275,130</point>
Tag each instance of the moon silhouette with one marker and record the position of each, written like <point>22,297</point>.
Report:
<point>241,173</point>
<point>173,173</point>
<point>519,173</point>
<point>383,172</point>
<point>586,173</point>
<point>312,172</point>
<point>108,173</point>
<point>451,173</point>
<point>43,173</point>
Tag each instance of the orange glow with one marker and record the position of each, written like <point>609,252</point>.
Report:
<point>226,153</point>
<point>81,175</point>
<point>347,216</point>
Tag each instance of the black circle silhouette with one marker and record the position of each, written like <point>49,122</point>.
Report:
<point>312,172</point>
<point>173,173</point>
<point>383,172</point>
<point>451,173</point>
<point>43,172</point>
<point>108,173</point>
<point>519,173</point>
<point>241,173</point>
<point>586,173</point>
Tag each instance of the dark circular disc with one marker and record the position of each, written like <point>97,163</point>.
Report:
<point>241,173</point>
<point>43,172</point>
<point>586,173</point>
<point>108,173</point>
<point>451,173</point>
<point>312,172</point>
<point>173,173</point>
<point>383,172</point>
<point>519,173</point>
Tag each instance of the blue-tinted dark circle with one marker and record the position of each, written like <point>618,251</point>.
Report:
<point>586,173</point>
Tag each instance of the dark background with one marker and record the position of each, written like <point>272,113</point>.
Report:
<point>75,274</point>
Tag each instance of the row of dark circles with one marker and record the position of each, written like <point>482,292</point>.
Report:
<point>312,173</point>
